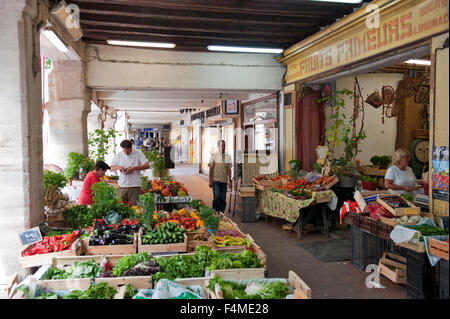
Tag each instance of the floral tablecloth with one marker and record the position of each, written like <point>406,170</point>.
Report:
<point>278,205</point>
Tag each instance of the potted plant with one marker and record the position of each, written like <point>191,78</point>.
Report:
<point>86,166</point>
<point>157,163</point>
<point>369,183</point>
<point>343,130</point>
<point>74,162</point>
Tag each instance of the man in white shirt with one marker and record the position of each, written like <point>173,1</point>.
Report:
<point>129,162</point>
<point>220,176</point>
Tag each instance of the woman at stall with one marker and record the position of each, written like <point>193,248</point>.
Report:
<point>92,177</point>
<point>400,177</point>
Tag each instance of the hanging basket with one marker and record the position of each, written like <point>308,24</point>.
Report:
<point>375,99</point>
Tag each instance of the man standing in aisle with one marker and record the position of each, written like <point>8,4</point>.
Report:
<point>220,176</point>
<point>129,162</point>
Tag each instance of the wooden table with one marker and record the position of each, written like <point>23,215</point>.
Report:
<point>297,212</point>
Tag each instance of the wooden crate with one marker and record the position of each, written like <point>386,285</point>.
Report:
<point>266,181</point>
<point>46,259</point>
<point>138,282</point>
<point>393,222</point>
<point>162,248</point>
<point>66,284</point>
<point>438,248</point>
<point>411,210</point>
<point>398,275</point>
<point>238,273</point>
<point>110,249</point>
<point>193,244</point>
<point>245,191</point>
<point>331,183</point>
<point>372,170</point>
<point>359,197</point>
<point>295,285</point>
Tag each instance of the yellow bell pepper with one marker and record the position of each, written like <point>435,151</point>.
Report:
<point>194,215</point>
<point>182,212</point>
<point>155,217</point>
<point>176,221</point>
<point>199,223</point>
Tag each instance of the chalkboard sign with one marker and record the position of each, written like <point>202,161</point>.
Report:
<point>30,236</point>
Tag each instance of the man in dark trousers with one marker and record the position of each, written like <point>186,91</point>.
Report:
<point>220,176</point>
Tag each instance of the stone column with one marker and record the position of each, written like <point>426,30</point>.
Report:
<point>68,108</point>
<point>21,176</point>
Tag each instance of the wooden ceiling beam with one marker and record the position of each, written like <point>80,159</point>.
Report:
<point>174,37</point>
<point>225,17</point>
<point>198,26</point>
<point>205,33</point>
<point>262,7</point>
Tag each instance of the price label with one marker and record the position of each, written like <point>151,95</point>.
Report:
<point>409,211</point>
<point>30,236</point>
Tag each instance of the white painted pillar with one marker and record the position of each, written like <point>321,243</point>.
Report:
<point>21,176</point>
<point>68,109</point>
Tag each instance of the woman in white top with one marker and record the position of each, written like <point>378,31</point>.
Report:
<point>400,177</point>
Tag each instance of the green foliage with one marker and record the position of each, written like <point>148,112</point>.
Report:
<point>318,168</point>
<point>369,179</point>
<point>80,269</point>
<point>212,222</point>
<point>157,163</point>
<point>104,199</point>
<point>51,179</point>
<point>375,160</point>
<point>79,216</point>
<point>144,183</point>
<point>233,290</point>
<point>294,171</point>
<point>129,261</point>
<point>340,132</point>
<point>75,161</point>
<point>147,202</point>
<point>99,290</point>
<point>130,291</point>
<point>100,142</point>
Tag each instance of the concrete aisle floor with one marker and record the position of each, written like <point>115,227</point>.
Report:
<point>328,280</point>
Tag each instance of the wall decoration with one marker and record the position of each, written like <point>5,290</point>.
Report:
<point>231,107</point>
<point>439,177</point>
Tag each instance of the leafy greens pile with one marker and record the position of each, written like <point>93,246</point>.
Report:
<point>233,290</point>
<point>80,269</point>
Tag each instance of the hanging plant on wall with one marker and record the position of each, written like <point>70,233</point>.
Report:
<point>100,143</point>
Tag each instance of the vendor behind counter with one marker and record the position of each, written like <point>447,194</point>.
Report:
<point>400,178</point>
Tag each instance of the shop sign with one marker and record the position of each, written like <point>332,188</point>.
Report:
<point>198,116</point>
<point>213,111</point>
<point>399,24</point>
<point>30,236</point>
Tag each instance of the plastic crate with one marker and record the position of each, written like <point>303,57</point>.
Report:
<point>248,209</point>
<point>403,252</point>
<point>422,281</point>
<point>443,279</point>
<point>366,249</point>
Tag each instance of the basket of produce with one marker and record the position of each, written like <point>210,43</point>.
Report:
<point>112,239</point>
<point>165,237</point>
<point>258,288</point>
<point>369,183</point>
<point>42,253</point>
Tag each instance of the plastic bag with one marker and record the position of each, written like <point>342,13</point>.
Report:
<point>169,289</point>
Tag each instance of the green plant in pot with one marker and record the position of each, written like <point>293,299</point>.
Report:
<point>157,163</point>
<point>54,180</point>
<point>74,162</point>
<point>343,131</point>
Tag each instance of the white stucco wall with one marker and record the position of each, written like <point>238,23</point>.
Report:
<point>120,67</point>
<point>380,138</point>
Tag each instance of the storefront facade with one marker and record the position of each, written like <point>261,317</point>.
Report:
<point>380,34</point>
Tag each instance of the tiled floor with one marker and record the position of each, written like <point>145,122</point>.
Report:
<point>327,279</point>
